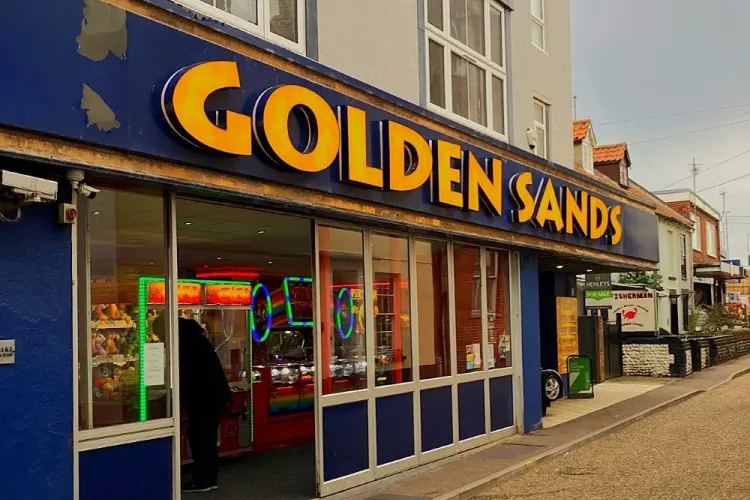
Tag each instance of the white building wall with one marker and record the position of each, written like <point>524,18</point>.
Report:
<point>543,75</point>
<point>373,41</point>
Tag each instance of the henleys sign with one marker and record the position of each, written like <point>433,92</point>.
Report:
<point>298,130</point>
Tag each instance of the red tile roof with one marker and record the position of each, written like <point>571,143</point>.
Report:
<point>610,153</point>
<point>581,129</point>
<point>662,208</point>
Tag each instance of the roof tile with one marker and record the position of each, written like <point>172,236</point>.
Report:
<point>581,129</point>
<point>610,153</point>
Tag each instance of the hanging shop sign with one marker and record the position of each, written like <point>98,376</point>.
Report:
<point>190,102</point>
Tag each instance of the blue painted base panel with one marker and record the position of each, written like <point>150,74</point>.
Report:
<point>395,427</point>
<point>130,471</point>
<point>471,410</point>
<point>436,418</point>
<point>501,403</point>
<point>345,440</point>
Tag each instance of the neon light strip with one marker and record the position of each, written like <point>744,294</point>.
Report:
<point>143,282</point>
<point>269,313</point>
<point>288,299</point>
<point>342,292</point>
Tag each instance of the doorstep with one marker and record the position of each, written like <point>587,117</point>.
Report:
<point>467,474</point>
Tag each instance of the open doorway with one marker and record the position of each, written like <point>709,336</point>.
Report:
<point>246,277</point>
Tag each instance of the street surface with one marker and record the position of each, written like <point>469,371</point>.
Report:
<point>699,449</point>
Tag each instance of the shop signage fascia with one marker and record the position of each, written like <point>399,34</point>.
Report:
<point>464,181</point>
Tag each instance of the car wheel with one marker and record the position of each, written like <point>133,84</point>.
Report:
<point>552,387</point>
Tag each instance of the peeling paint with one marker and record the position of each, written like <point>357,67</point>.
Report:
<point>97,111</point>
<point>103,30</point>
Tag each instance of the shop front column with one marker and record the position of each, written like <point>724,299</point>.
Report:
<point>532,362</point>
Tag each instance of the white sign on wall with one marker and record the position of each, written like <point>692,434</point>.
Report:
<point>637,308</point>
<point>7,352</point>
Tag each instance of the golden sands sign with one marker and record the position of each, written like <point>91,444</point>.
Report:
<point>457,177</point>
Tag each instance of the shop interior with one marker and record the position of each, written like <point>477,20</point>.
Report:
<point>246,277</point>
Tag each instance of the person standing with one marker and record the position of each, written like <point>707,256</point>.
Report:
<point>204,391</point>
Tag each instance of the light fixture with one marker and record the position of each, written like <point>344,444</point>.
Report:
<point>97,212</point>
<point>589,270</point>
<point>270,262</point>
<point>261,232</point>
<point>559,267</point>
<point>188,223</point>
<point>218,258</point>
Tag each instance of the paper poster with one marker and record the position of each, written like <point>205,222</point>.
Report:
<point>567,331</point>
<point>473,356</point>
<point>491,357</point>
<point>153,364</point>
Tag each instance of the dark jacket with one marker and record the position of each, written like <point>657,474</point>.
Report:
<point>203,384</point>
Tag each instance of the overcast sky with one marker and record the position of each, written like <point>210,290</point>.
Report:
<point>641,58</point>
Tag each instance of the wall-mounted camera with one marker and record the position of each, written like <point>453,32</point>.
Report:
<point>532,138</point>
<point>76,178</point>
<point>18,189</point>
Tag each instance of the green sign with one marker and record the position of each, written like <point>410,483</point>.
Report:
<point>579,377</point>
<point>598,294</point>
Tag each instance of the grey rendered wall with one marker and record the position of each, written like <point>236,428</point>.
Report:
<point>544,75</point>
<point>374,41</point>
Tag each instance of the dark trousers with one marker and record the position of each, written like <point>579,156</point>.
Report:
<point>201,434</point>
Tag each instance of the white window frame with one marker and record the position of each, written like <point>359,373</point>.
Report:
<point>542,127</point>
<point>540,22</point>
<point>696,231</point>
<point>484,62</point>
<point>624,178</point>
<point>262,29</point>
<point>683,256</point>
<point>587,156</point>
<point>711,239</point>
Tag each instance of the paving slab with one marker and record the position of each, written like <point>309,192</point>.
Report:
<point>468,474</point>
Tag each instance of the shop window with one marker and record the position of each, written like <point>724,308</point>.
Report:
<point>344,334</point>
<point>392,311</point>
<point>498,324</point>
<point>246,277</point>
<point>432,309</point>
<point>468,319</point>
<point>466,62</point>
<point>124,364</point>
<point>280,21</point>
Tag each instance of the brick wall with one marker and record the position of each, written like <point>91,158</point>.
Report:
<point>700,257</point>
<point>468,319</point>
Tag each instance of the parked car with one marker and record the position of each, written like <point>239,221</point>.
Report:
<point>552,388</point>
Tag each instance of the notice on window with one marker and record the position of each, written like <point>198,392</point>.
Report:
<point>567,331</point>
<point>153,364</point>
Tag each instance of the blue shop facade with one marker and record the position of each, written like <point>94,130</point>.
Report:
<point>368,272</point>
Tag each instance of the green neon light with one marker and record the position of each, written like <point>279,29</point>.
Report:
<point>143,283</point>
<point>288,300</point>
<point>269,313</point>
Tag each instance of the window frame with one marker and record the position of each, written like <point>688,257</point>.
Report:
<point>696,219</point>
<point>711,239</point>
<point>683,256</point>
<point>450,45</point>
<point>587,156</point>
<point>624,178</point>
<point>263,28</point>
<point>543,127</point>
<point>541,23</point>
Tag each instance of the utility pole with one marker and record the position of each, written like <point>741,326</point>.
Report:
<point>575,107</point>
<point>694,170</point>
<point>724,220</point>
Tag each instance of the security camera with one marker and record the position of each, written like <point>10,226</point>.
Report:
<point>76,178</point>
<point>531,137</point>
<point>24,189</point>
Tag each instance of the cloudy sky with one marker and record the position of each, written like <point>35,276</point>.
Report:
<point>634,59</point>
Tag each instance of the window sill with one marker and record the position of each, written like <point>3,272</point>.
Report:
<point>543,51</point>
<point>468,123</point>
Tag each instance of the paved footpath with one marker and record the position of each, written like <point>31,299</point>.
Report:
<point>695,450</point>
<point>475,473</point>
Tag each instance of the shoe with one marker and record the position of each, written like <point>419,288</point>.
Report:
<point>193,487</point>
